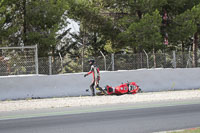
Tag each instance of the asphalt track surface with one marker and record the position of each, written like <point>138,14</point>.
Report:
<point>137,118</point>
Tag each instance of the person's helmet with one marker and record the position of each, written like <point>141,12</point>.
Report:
<point>91,61</point>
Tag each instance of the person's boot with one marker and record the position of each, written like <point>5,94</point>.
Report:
<point>92,90</point>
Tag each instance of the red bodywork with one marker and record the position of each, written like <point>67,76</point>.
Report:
<point>127,88</point>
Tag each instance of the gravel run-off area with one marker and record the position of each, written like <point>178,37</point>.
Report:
<point>30,104</point>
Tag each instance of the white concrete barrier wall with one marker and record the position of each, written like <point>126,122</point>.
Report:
<point>20,87</point>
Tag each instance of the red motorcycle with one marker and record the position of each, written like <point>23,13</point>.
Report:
<point>127,88</point>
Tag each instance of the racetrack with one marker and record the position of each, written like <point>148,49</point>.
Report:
<point>138,118</point>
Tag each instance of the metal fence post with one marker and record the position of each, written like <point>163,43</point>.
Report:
<point>189,59</point>
<point>104,57</point>
<point>113,61</point>
<point>61,60</point>
<point>165,61</point>
<point>50,65</point>
<point>147,58</point>
<point>82,63</point>
<point>36,59</point>
<point>174,59</point>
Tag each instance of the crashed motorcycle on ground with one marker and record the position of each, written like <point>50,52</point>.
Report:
<point>124,88</point>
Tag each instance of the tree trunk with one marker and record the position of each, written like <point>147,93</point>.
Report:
<point>195,47</point>
<point>135,58</point>
<point>183,54</point>
<point>24,23</point>
<point>139,13</point>
<point>141,60</point>
<point>154,58</point>
<point>83,49</point>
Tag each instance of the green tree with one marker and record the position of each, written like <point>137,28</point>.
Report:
<point>8,22</point>
<point>110,20</point>
<point>184,27</point>
<point>43,21</point>
<point>28,22</point>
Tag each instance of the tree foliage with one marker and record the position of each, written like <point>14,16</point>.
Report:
<point>110,26</point>
<point>138,24</point>
<point>28,22</point>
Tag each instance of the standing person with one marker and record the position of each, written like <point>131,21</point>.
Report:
<point>96,77</point>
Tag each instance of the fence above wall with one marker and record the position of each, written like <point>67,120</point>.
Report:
<point>19,60</point>
<point>27,62</point>
<point>114,62</point>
